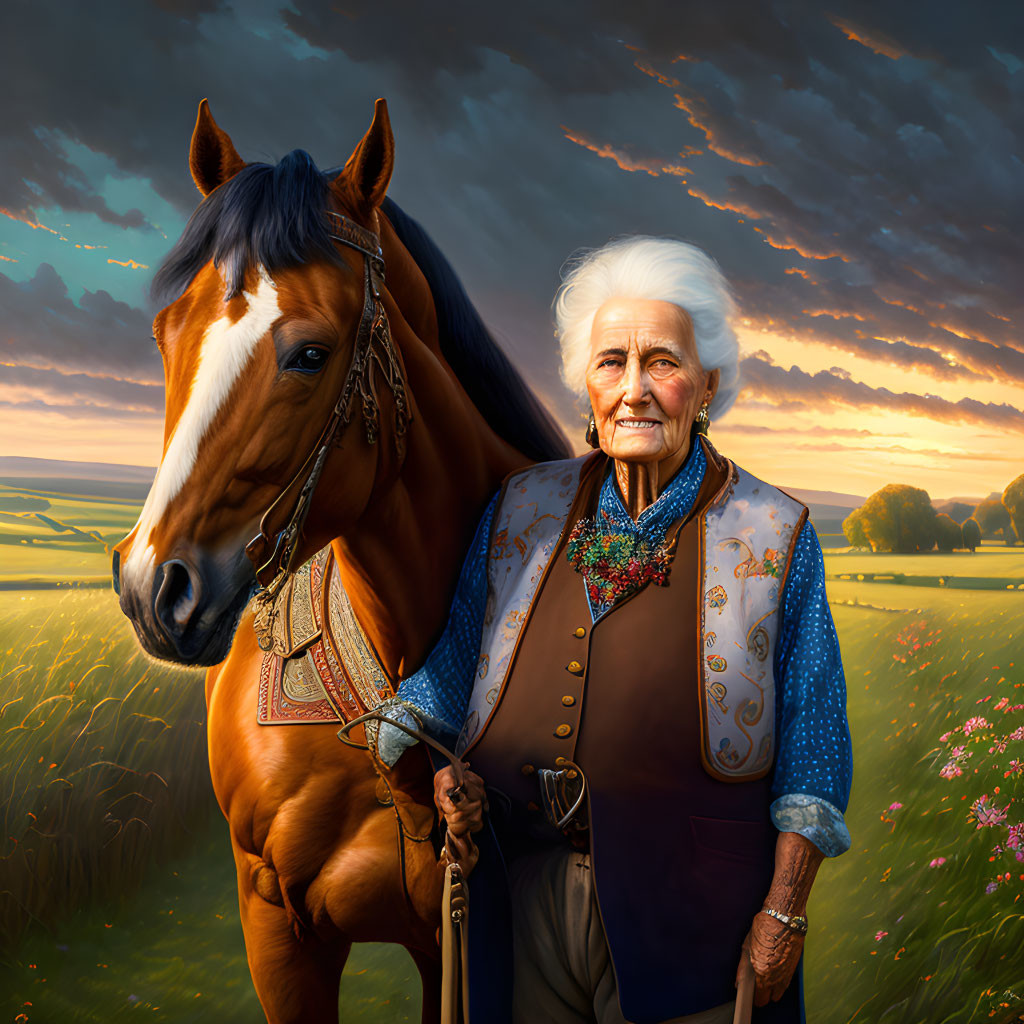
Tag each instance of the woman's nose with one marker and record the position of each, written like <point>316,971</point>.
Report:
<point>635,385</point>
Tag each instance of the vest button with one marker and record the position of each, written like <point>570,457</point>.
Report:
<point>580,632</point>
<point>527,769</point>
<point>575,667</point>
<point>561,760</point>
<point>568,700</point>
<point>563,730</point>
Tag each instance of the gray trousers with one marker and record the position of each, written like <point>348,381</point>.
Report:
<point>563,971</point>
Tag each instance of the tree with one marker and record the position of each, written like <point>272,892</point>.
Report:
<point>994,521</point>
<point>971,532</point>
<point>896,518</point>
<point>853,527</point>
<point>947,533</point>
<point>1013,501</point>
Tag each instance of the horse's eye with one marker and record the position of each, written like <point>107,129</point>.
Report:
<point>308,360</point>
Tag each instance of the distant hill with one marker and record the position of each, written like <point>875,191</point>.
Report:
<point>48,469</point>
<point>96,479</point>
<point>829,499</point>
<point>957,509</point>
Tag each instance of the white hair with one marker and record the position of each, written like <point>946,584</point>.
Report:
<point>643,267</point>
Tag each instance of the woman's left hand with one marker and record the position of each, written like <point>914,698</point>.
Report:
<point>774,951</point>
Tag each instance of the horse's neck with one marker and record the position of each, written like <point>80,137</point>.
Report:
<point>400,565</point>
<point>401,562</point>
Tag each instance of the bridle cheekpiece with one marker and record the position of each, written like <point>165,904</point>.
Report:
<point>273,554</point>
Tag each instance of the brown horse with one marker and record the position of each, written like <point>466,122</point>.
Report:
<point>258,338</point>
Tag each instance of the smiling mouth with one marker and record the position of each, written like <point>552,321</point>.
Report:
<point>634,424</point>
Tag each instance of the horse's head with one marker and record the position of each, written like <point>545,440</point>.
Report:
<point>257,344</point>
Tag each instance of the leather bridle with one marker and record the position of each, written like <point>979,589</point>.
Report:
<point>373,346</point>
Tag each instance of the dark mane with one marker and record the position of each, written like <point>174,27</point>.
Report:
<point>273,215</point>
<point>489,378</point>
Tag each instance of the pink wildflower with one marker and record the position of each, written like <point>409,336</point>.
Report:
<point>895,807</point>
<point>985,813</point>
<point>880,935</point>
<point>976,723</point>
<point>1017,734</point>
<point>1003,701</point>
<point>1014,835</point>
<point>937,863</point>
<point>957,751</point>
<point>950,770</point>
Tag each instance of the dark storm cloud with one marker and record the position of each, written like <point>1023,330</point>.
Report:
<point>888,137</point>
<point>794,388</point>
<point>40,324</point>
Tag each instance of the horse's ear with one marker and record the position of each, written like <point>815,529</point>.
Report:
<point>212,157</point>
<point>366,175</point>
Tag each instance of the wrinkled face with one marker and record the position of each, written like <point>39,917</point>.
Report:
<point>645,380</point>
<point>251,383</point>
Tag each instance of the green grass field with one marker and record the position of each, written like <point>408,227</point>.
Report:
<point>904,924</point>
<point>116,881</point>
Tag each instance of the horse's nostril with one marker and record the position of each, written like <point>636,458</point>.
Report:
<point>177,597</point>
<point>115,570</point>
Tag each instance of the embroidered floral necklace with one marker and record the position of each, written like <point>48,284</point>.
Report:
<point>615,564</point>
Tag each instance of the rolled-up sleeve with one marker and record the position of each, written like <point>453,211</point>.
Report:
<point>814,763</point>
<point>436,696</point>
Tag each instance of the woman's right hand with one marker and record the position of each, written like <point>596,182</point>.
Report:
<point>461,807</point>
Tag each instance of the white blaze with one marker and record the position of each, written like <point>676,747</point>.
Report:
<point>225,352</point>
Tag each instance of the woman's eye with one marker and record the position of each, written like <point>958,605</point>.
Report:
<point>308,360</point>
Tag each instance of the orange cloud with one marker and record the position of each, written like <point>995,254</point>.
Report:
<point>130,263</point>
<point>902,305</point>
<point>801,249</point>
<point>665,80</point>
<point>7,259</point>
<point>23,219</point>
<point>722,204</point>
<point>696,110</point>
<point>607,152</point>
<point>836,314</point>
<point>803,273</point>
<point>878,42</point>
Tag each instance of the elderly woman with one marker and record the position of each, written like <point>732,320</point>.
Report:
<point>641,666</point>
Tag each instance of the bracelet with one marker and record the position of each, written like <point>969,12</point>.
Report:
<point>794,922</point>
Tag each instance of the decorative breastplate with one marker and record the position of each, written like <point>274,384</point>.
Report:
<point>320,666</point>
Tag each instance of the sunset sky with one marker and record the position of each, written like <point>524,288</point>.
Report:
<point>856,168</point>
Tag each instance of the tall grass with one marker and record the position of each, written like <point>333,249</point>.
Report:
<point>102,758</point>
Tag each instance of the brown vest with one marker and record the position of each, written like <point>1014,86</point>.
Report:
<point>682,861</point>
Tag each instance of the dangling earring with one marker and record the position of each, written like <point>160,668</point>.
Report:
<point>592,438</point>
<point>703,420</point>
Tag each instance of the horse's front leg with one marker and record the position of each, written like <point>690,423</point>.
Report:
<point>296,979</point>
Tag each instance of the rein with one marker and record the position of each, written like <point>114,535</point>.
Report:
<point>373,345</point>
